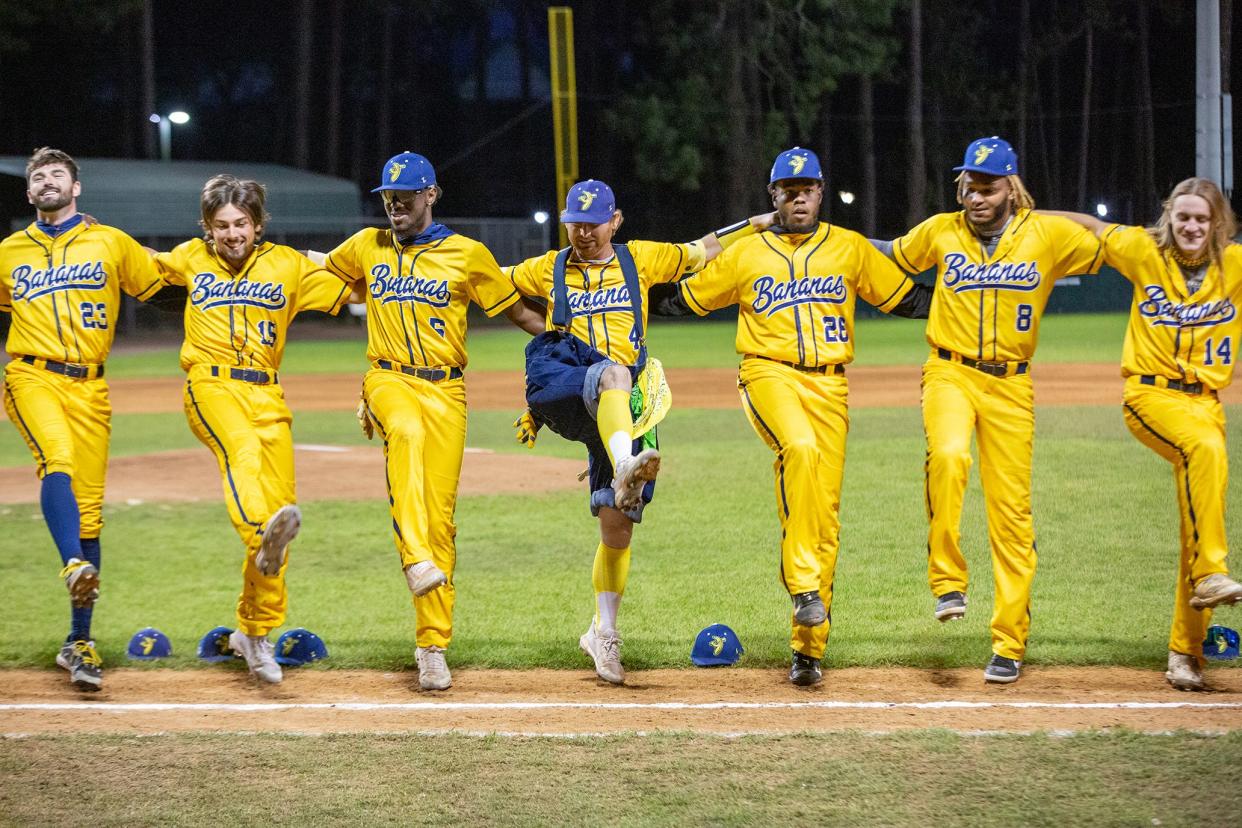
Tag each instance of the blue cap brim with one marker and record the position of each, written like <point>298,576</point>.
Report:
<point>568,217</point>
<point>133,657</point>
<point>967,168</point>
<point>408,189</point>
<point>713,661</point>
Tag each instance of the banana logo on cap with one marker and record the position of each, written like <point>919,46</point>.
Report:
<point>585,200</point>
<point>796,163</point>
<point>148,644</point>
<point>717,644</point>
<point>982,153</point>
<point>394,172</point>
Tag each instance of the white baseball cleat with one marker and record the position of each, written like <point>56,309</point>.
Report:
<point>632,473</point>
<point>433,671</point>
<point>82,580</point>
<point>1184,672</point>
<point>259,653</point>
<point>604,648</point>
<point>280,530</point>
<point>1214,590</point>
<point>424,576</point>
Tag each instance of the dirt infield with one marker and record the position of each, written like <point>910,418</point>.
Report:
<point>728,701</point>
<point>720,701</point>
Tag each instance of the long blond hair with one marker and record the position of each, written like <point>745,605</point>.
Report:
<point>1019,197</point>
<point>1224,223</point>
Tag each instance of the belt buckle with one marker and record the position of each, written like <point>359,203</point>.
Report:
<point>995,369</point>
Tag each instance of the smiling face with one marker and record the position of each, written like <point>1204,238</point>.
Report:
<point>233,234</point>
<point>987,199</point>
<point>797,201</point>
<point>409,211</point>
<point>1191,220</point>
<point>593,242</point>
<point>52,190</point>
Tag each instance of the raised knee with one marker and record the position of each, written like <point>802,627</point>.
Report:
<point>949,457</point>
<point>614,377</point>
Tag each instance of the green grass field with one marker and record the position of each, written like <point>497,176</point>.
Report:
<point>1106,522</point>
<point>708,551</point>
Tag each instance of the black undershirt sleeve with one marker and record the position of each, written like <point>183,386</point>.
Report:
<point>665,299</point>
<point>916,304</point>
<point>170,298</point>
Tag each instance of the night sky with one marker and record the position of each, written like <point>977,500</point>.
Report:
<point>467,85</point>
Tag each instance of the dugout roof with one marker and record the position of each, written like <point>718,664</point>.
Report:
<point>158,198</point>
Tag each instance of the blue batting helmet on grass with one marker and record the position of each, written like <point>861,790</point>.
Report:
<point>715,646</point>
<point>214,646</point>
<point>299,646</point>
<point>1221,643</point>
<point>148,644</point>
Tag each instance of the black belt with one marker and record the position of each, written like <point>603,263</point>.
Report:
<point>835,369</point>
<point>1175,385</point>
<point>995,369</point>
<point>429,374</point>
<point>254,376</point>
<point>69,369</point>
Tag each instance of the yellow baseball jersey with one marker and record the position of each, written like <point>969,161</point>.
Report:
<point>796,292</point>
<point>989,307</point>
<point>65,292</point>
<point>242,317</point>
<point>600,310</point>
<point>417,294</point>
<point>1191,337</point>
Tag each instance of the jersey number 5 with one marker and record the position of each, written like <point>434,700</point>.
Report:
<point>1223,352</point>
<point>94,315</point>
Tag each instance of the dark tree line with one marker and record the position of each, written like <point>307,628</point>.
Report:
<point>682,105</point>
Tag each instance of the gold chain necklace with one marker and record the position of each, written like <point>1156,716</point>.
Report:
<point>1191,264</point>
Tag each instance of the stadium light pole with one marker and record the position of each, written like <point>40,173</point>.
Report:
<point>165,123</point>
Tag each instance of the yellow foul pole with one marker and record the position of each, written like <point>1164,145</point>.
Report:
<point>564,104</point>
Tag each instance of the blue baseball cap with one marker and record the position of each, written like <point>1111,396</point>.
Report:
<point>299,646</point>
<point>589,202</point>
<point>214,646</point>
<point>148,644</point>
<point>407,171</point>
<point>1221,643</point>
<point>716,645</point>
<point>796,163</point>
<point>993,156</point>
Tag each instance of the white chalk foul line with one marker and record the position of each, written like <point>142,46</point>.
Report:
<point>265,707</point>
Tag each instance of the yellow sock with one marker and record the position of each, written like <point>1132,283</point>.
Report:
<point>611,571</point>
<point>614,421</point>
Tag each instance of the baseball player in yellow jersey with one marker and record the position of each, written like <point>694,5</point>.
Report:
<point>580,374</point>
<point>1181,345</point>
<point>61,279</point>
<point>795,287</point>
<point>243,294</point>
<point>996,263</point>
<point>420,277</point>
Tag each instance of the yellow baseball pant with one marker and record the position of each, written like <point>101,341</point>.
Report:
<point>66,424</point>
<point>423,424</point>
<point>247,428</point>
<point>804,418</point>
<point>1000,412</point>
<point>1188,430</point>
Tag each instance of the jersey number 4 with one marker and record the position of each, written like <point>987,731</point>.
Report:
<point>1223,352</point>
<point>94,315</point>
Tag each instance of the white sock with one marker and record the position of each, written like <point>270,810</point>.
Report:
<point>619,445</point>
<point>606,605</point>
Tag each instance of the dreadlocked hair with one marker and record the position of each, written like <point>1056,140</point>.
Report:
<point>1224,224</point>
<point>1019,197</point>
